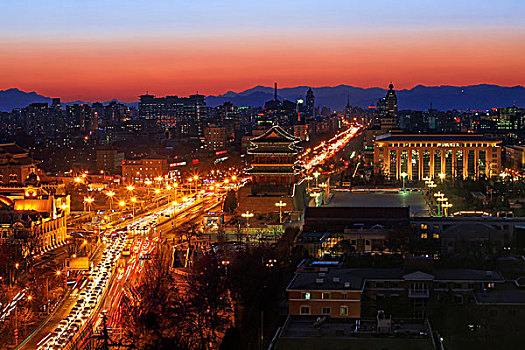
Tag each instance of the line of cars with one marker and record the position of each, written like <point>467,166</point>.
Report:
<point>89,297</point>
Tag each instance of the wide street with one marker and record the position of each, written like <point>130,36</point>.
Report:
<point>139,232</point>
<point>144,231</point>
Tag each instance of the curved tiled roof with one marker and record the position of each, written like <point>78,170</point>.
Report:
<point>275,134</point>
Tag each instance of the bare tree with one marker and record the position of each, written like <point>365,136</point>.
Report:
<point>156,316</point>
<point>209,302</point>
<point>30,240</point>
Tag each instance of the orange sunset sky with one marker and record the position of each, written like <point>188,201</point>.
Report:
<point>80,60</point>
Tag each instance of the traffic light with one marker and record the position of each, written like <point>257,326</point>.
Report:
<point>16,333</point>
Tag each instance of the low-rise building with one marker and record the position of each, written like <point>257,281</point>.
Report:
<point>326,289</point>
<point>38,222</point>
<point>360,240</point>
<point>15,164</point>
<point>381,332</point>
<point>421,156</point>
<point>515,157</point>
<point>140,169</point>
<point>470,234</point>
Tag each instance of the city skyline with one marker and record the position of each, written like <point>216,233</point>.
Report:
<point>100,51</point>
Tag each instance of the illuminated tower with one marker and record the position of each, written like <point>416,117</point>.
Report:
<point>387,110</point>
<point>391,101</point>
<point>310,103</point>
<point>273,162</point>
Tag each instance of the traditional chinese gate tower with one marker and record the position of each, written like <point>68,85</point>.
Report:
<point>273,162</point>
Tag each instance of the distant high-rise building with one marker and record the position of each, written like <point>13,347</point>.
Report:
<point>56,117</point>
<point>229,116</point>
<point>510,118</point>
<point>228,113</point>
<point>215,138</point>
<point>98,109</point>
<point>285,112</point>
<point>187,114</point>
<point>108,158</point>
<point>391,101</point>
<point>80,117</point>
<point>35,117</point>
<point>387,110</point>
<point>310,103</point>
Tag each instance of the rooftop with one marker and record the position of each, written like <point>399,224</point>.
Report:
<point>339,214</point>
<point>354,278</point>
<point>12,148</point>
<point>381,199</point>
<point>509,293</point>
<point>435,137</point>
<point>304,332</point>
<point>275,134</point>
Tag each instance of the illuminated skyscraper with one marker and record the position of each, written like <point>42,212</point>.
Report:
<point>310,103</point>
<point>391,101</point>
<point>387,110</point>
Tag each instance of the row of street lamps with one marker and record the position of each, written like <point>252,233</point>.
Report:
<point>247,215</point>
<point>442,201</point>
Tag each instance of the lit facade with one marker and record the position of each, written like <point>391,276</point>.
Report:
<point>145,168</point>
<point>273,161</point>
<point>108,158</point>
<point>186,114</point>
<point>32,210</point>
<point>215,138</point>
<point>15,164</point>
<point>420,156</point>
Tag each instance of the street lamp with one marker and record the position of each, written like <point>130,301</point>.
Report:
<point>442,176</point>
<point>148,182</point>
<point>247,216</point>
<point>308,178</point>
<point>404,175</point>
<point>441,201</point>
<point>89,200</point>
<point>195,178</point>
<point>169,188</point>
<point>58,274</point>
<point>133,200</point>
<point>175,186</point>
<point>157,192</point>
<point>316,175</point>
<point>110,195</point>
<point>439,198</point>
<point>130,188</point>
<point>280,205</point>
<point>445,206</point>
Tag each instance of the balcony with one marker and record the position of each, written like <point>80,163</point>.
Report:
<point>418,293</point>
